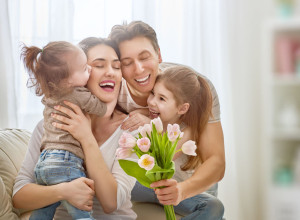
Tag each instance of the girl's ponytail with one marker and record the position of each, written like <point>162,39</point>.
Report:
<point>48,68</point>
<point>31,57</point>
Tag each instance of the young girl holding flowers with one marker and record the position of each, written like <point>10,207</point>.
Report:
<point>183,97</point>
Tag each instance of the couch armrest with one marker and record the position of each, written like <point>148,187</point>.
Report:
<point>13,145</point>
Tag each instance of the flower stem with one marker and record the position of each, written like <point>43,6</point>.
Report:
<point>169,211</point>
<point>178,150</point>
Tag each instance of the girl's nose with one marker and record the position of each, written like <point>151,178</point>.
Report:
<point>151,101</point>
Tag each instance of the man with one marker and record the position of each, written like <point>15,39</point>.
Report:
<point>141,61</point>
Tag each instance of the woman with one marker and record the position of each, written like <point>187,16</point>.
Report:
<point>112,200</point>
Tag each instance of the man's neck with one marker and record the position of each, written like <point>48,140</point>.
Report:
<point>138,97</point>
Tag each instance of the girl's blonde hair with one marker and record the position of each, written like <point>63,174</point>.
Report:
<point>189,87</point>
<point>48,67</point>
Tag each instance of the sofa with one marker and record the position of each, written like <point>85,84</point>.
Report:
<point>13,145</point>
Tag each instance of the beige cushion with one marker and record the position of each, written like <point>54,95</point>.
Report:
<point>13,145</point>
<point>150,211</point>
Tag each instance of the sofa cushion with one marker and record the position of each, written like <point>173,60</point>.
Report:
<point>13,145</point>
<point>150,211</point>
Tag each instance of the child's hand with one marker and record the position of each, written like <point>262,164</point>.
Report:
<point>78,124</point>
<point>171,194</point>
<point>135,120</point>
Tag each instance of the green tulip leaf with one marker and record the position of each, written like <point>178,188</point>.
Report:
<point>157,173</point>
<point>132,168</point>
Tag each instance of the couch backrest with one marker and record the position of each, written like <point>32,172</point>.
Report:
<point>13,145</point>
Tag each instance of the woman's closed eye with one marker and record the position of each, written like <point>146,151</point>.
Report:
<point>116,65</point>
<point>99,66</point>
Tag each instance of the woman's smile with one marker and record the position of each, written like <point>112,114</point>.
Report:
<point>108,85</point>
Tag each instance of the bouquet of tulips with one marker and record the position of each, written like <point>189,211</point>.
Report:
<point>155,151</point>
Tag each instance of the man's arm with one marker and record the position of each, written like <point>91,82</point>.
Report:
<point>212,169</point>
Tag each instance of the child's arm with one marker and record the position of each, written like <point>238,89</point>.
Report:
<point>88,102</point>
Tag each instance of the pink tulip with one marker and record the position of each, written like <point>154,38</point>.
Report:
<point>173,132</point>
<point>189,148</point>
<point>127,140</point>
<point>146,162</point>
<point>158,124</point>
<point>123,152</point>
<point>143,144</point>
<point>144,130</point>
<point>181,135</point>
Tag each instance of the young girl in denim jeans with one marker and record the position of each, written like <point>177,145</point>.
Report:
<point>60,71</point>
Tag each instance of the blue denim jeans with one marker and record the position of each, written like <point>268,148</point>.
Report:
<point>203,206</point>
<point>53,167</point>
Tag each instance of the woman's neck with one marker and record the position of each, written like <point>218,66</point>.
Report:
<point>104,127</point>
<point>108,116</point>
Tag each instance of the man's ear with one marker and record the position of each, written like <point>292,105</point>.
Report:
<point>159,56</point>
<point>183,108</point>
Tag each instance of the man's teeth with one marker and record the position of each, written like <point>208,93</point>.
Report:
<point>144,79</point>
<point>107,84</point>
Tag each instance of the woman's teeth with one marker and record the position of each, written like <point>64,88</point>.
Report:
<point>108,84</point>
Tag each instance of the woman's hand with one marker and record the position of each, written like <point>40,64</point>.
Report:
<point>80,193</point>
<point>78,124</point>
<point>136,119</point>
<point>171,194</point>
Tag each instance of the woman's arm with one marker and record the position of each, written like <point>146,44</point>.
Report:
<point>78,192</point>
<point>208,173</point>
<point>80,127</point>
<point>28,195</point>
